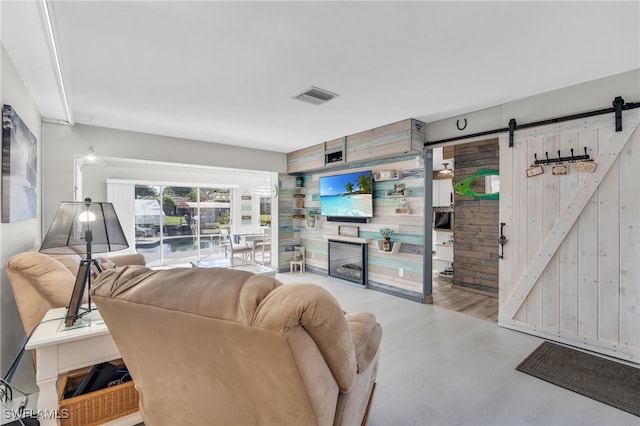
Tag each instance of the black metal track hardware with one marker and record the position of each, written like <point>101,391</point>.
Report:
<point>617,109</point>
<point>617,106</point>
<point>512,129</point>
<point>561,159</point>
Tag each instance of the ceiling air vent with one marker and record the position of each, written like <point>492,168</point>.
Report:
<point>315,96</point>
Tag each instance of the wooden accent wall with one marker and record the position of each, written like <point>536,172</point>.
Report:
<point>476,225</point>
<point>401,270</point>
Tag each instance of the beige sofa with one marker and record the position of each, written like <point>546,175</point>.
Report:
<point>224,347</point>
<point>44,281</point>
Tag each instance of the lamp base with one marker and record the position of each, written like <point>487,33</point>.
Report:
<point>87,318</point>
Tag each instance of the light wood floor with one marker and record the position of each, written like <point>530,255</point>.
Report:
<point>466,302</point>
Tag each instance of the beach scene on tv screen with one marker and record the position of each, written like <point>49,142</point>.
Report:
<point>346,195</point>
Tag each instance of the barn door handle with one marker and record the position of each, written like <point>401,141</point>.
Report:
<point>502,240</point>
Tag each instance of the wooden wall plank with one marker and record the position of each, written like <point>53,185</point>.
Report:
<point>476,224</point>
<point>588,250</point>
<point>629,247</point>
<point>306,159</point>
<point>609,255</point>
<point>567,279</point>
<point>534,238</point>
<point>520,215</point>
<point>505,271</point>
<point>551,210</point>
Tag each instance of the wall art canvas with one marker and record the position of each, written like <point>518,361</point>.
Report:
<point>19,168</point>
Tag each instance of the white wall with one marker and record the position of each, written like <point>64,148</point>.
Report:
<point>62,143</point>
<point>17,236</point>
<point>242,182</point>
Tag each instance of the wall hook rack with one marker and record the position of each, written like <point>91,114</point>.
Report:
<point>560,159</point>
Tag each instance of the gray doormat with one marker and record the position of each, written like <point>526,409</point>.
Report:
<point>609,382</point>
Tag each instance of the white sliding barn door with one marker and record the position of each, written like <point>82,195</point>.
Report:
<point>571,267</point>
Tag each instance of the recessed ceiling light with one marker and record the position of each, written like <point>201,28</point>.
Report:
<point>315,96</point>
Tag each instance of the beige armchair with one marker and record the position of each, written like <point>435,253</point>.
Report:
<point>44,281</point>
<point>224,347</point>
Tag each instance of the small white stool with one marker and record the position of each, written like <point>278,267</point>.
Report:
<point>298,259</point>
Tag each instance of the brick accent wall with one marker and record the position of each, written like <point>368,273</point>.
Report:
<point>476,225</point>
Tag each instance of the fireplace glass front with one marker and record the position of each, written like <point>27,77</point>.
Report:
<point>347,261</point>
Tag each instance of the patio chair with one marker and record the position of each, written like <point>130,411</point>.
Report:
<point>265,245</point>
<point>233,250</point>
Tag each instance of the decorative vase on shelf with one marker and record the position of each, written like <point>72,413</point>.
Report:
<point>386,234</point>
<point>311,219</point>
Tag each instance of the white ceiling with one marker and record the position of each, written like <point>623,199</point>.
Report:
<point>227,72</point>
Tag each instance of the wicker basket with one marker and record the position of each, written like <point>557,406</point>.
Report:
<point>96,407</point>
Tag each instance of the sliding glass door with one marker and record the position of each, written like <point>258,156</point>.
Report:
<point>180,224</point>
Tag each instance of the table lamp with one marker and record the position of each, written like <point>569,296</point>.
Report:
<point>84,227</point>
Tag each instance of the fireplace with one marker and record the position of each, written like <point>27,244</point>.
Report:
<point>348,261</point>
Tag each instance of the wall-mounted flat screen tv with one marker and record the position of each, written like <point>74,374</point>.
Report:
<point>347,195</point>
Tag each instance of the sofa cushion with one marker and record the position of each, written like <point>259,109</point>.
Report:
<point>39,283</point>
<point>105,263</point>
<point>366,334</point>
<point>216,293</point>
<point>319,313</point>
<point>122,260</point>
<point>49,277</point>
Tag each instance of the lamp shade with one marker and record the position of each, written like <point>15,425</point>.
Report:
<point>86,227</point>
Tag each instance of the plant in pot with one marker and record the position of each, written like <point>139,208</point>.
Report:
<point>386,234</point>
<point>311,218</point>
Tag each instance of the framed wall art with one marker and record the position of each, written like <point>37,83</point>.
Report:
<point>19,168</point>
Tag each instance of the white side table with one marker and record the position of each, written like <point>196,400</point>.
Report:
<point>60,350</point>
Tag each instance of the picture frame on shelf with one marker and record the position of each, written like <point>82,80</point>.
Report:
<point>398,189</point>
<point>388,174</point>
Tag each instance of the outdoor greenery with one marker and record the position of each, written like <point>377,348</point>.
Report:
<point>172,199</point>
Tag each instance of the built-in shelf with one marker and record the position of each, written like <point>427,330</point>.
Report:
<point>400,210</point>
<point>444,253</point>
<point>395,175</point>
<point>395,247</point>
